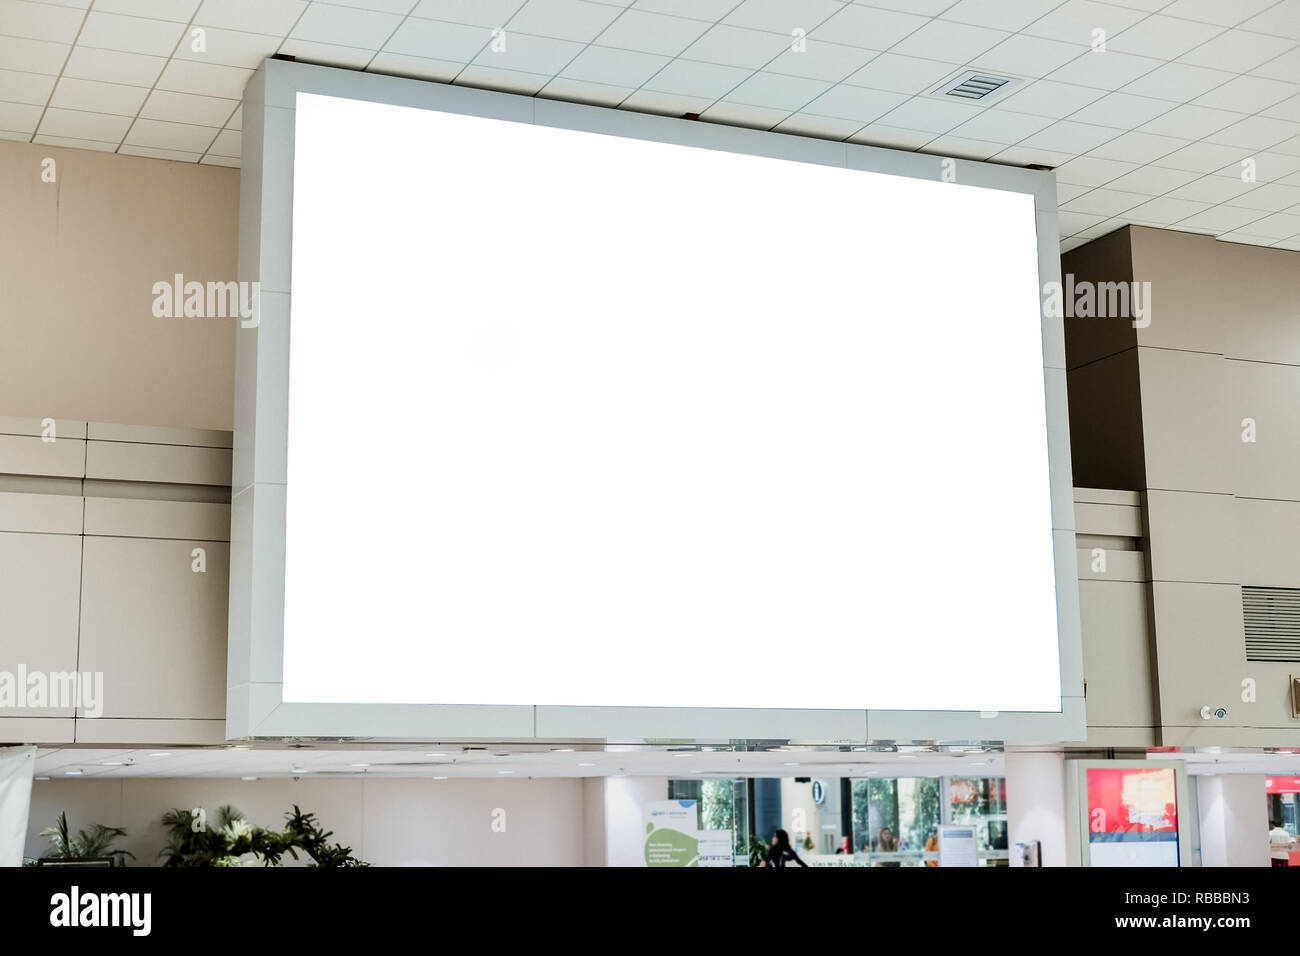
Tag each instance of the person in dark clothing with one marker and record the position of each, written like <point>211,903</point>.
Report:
<point>782,853</point>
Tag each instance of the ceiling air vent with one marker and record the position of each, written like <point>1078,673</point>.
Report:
<point>975,86</point>
<point>1272,618</point>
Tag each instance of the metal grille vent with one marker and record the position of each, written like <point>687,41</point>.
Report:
<point>975,86</point>
<point>1272,623</point>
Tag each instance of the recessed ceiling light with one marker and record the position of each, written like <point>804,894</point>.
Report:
<point>72,773</point>
<point>439,778</point>
<point>111,763</point>
<point>160,754</point>
<point>247,778</point>
<point>790,763</point>
<point>361,765</point>
<point>40,778</point>
<point>586,765</point>
<point>907,756</point>
<point>435,755</point>
<point>563,750</point>
<point>298,770</point>
<point>505,771</point>
<point>684,754</point>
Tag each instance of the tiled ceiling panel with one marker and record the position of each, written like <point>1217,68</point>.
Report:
<point>1176,113</point>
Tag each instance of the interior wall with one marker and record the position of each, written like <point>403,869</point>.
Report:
<point>1233,819</point>
<point>516,822</point>
<point>81,340</point>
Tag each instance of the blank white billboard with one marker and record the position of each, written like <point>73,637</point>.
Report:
<point>577,419</point>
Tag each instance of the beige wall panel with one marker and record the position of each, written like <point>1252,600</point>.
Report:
<point>125,730</point>
<point>140,518</point>
<point>206,437</point>
<point>1188,431</point>
<point>35,426</point>
<point>1116,655</point>
<point>1192,537</point>
<point>1122,520</point>
<point>36,730</point>
<point>1108,259</point>
<point>1267,539</point>
<point>81,341</point>
<point>156,628</point>
<point>1119,566</point>
<point>1201,653</point>
<point>46,514</point>
<point>1106,423</point>
<point>40,578</point>
<point>182,464</point>
<point>1189,297</point>
<point>28,455</point>
<point>1268,467</point>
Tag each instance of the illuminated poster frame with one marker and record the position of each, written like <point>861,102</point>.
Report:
<point>1084,819</point>
<point>255,703</point>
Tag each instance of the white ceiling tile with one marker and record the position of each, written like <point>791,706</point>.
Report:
<point>1178,81</point>
<point>666,104</point>
<point>178,10</point>
<point>1288,109</point>
<point>78,4</point>
<point>925,8</point>
<point>824,127</point>
<point>345,26</point>
<point>1284,67</point>
<point>578,20</point>
<point>1281,19</point>
<point>581,91</point>
<point>1248,94</point>
<point>1289,146</point>
<point>775,91</point>
<point>598,64</point>
<point>206,79</point>
<point>1191,122</point>
<point>1073,242</point>
<point>187,108</point>
<point>1002,126</point>
<point>704,80</point>
<point>1237,50</point>
<point>1216,11</point>
<point>75,143</point>
<point>1105,202</point>
<point>19,117</point>
<point>98,96</point>
<point>652,33</point>
<point>1219,219</point>
<point>327,54</point>
<point>153,152</point>
<point>1213,189</point>
<point>870,27</point>
<point>1135,147</point>
<point>1067,191</point>
<point>482,13</point>
<point>1090,171</point>
<point>39,21</point>
<point>854,103</point>
<point>1165,210</point>
<point>1277,226</point>
<point>1202,157</point>
<point>230,48</point>
<point>902,74</point>
<point>529,54</point>
<point>1028,56</point>
<point>1069,223</point>
<point>17,87</point>
<point>1076,20</point>
<point>1009,15</point>
<point>32,56</point>
<point>1069,137</point>
<point>109,31</point>
<point>952,42</point>
<point>433,39</point>
<point>83,125</point>
<point>1024,156</point>
<point>741,114</point>
<point>1261,197</point>
<point>929,116</point>
<point>110,66</point>
<point>1122,109</point>
<point>236,120</point>
<point>700,9</point>
<point>1165,38</point>
<point>735,46</point>
<point>1245,238</point>
<point>228,143</point>
<point>254,16</point>
<point>890,136</point>
<point>1266,167</point>
<point>180,136</point>
<point>507,81</point>
<point>417,67</point>
<point>958,147</point>
<point>782,16</point>
<point>820,60</point>
<point>1256,132</point>
<point>213,160</point>
<point>1107,71</point>
<point>1049,98</point>
<point>1152,180</point>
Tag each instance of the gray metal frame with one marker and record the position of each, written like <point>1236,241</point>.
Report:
<point>1078,849</point>
<point>255,705</point>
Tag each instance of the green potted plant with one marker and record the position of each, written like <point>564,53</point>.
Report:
<point>93,843</point>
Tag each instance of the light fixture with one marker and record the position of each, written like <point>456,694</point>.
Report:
<point>435,755</point>
<point>439,778</point>
<point>247,778</point>
<point>361,765</point>
<point>111,763</point>
<point>790,763</point>
<point>160,754</point>
<point>72,773</point>
<point>40,778</point>
<point>505,771</point>
<point>586,765</point>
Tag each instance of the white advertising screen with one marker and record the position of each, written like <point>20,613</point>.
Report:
<point>571,415</point>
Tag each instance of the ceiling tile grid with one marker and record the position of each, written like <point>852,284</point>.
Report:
<point>1177,113</point>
